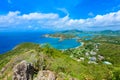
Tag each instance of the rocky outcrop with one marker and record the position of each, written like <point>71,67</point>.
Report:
<point>45,75</point>
<point>23,71</point>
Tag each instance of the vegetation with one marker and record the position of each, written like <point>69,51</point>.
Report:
<point>107,39</point>
<point>64,34</point>
<point>51,59</point>
<point>83,63</point>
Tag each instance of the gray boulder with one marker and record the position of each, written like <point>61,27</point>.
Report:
<point>23,71</point>
<point>45,75</point>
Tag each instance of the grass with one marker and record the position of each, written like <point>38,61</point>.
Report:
<point>59,62</point>
<point>111,52</point>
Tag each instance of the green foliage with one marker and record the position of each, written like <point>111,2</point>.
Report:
<point>63,35</point>
<point>89,46</point>
<point>112,39</point>
<point>111,52</point>
<point>116,74</point>
<point>20,49</point>
<point>48,58</point>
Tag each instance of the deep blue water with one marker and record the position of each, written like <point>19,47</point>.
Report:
<point>9,40</point>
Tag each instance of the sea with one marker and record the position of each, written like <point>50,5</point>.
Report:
<point>8,40</point>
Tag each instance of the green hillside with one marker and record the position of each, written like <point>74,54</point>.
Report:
<point>60,62</point>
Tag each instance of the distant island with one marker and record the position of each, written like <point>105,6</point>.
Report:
<point>68,34</point>
<point>60,36</point>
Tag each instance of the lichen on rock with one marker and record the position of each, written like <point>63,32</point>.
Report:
<point>23,71</point>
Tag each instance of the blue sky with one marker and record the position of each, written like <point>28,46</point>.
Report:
<point>59,14</point>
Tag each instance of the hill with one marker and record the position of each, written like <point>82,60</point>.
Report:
<point>47,59</point>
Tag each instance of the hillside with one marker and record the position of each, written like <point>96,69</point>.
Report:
<point>58,62</point>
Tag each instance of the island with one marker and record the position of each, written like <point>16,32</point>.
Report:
<point>61,36</point>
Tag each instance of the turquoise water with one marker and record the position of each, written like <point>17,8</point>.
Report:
<point>65,44</point>
<point>9,40</point>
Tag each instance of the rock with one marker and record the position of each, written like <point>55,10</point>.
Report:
<point>45,75</point>
<point>23,71</point>
<point>2,71</point>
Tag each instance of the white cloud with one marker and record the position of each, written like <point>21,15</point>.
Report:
<point>37,16</point>
<point>36,21</point>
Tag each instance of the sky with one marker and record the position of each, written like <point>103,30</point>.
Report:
<point>42,15</point>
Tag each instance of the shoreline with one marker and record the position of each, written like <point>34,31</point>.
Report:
<point>82,43</point>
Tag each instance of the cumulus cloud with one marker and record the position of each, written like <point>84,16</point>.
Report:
<point>38,21</point>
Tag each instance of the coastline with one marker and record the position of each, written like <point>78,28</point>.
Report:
<point>82,43</point>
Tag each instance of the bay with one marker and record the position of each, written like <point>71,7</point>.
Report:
<point>8,40</point>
